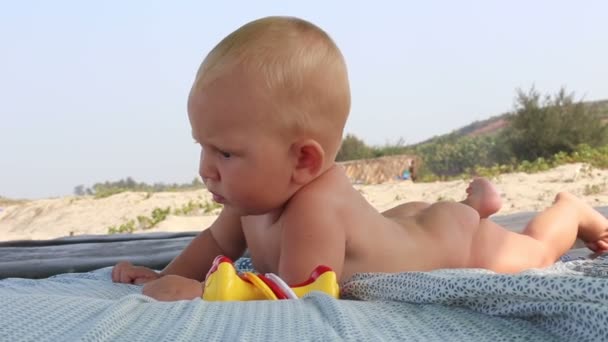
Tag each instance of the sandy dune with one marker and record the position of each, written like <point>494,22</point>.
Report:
<point>57,217</point>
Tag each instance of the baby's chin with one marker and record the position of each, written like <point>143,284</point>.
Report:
<point>254,211</point>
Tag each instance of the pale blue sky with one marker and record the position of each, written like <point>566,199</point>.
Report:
<point>95,91</point>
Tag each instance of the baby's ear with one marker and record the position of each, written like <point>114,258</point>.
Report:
<point>309,159</point>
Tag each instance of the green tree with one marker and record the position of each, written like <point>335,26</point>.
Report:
<point>450,157</point>
<point>353,148</point>
<point>542,126</point>
<point>79,190</point>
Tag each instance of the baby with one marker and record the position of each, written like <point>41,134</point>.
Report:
<point>268,108</point>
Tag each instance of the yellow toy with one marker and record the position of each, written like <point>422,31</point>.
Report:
<point>224,283</point>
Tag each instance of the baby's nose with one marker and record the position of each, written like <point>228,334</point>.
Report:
<point>208,172</point>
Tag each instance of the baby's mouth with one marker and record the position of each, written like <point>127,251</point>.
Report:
<point>217,198</point>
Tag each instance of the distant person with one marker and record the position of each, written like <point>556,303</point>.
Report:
<point>268,107</point>
<point>412,170</point>
<point>409,172</point>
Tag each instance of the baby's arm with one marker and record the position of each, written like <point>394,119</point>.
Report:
<point>225,236</point>
<point>181,279</point>
<point>313,235</point>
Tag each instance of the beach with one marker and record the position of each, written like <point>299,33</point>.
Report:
<point>194,210</point>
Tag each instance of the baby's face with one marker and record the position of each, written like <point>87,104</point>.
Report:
<point>244,162</point>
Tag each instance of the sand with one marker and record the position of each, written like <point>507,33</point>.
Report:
<point>71,215</point>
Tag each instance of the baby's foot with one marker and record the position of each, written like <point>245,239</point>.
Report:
<point>483,196</point>
<point>593,226</point>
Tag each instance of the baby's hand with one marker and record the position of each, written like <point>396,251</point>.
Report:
<point>172,287</point>
<point>125,272</point>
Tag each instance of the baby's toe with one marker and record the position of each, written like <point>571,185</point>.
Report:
<point>602,246</point>
<point>599,246</point>
<point>592,246</point>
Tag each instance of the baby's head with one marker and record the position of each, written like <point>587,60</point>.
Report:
<point>276,85</point>
<point>298,71</point>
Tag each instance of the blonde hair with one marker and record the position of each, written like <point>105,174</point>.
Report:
<point>303,71</point>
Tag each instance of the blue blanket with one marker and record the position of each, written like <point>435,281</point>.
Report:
<point>568,301</point>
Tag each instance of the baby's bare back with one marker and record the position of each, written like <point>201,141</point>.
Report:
<point>396,242</point>
<point>400,240</point>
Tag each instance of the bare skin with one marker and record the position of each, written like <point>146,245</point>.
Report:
<point>442,235</point>
<point>293,208</point>
<point>546,237</point>
<point>314,216</point>
<point>483,196</point>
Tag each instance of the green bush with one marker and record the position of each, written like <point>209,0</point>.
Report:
<point>210,207</point>
<point>451,158</point>
<point>158,215</point>
<point>353,148</point>
<point>106,189</point>
<point>128,227</point>
<point>543,126</point>
<point>144,222</point>
<point>596,157</point>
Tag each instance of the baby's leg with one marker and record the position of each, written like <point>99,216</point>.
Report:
<point>406,209</point>
<point>568,218</point>
<point>546,237</point>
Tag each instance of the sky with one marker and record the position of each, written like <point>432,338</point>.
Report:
<point>96,91</point>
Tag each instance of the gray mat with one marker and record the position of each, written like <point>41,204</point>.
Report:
<point>41,259</point>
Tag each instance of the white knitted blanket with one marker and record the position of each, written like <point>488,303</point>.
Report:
<point>568,301</point>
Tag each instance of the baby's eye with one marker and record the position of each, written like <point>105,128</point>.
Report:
<point>225,155</point>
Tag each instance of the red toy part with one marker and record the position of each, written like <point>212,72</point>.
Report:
<point>316,273</point>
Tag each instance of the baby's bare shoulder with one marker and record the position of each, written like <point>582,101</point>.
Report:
<point>329,190</point>
<point>329,200</point>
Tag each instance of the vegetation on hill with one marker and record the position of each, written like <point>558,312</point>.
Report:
<point>496,123</point>
<point>105,189</point>
<point>160,214</point>
<point>542,131</point>
<point>5,202</point>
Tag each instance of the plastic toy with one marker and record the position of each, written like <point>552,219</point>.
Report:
<point>224,283</point>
